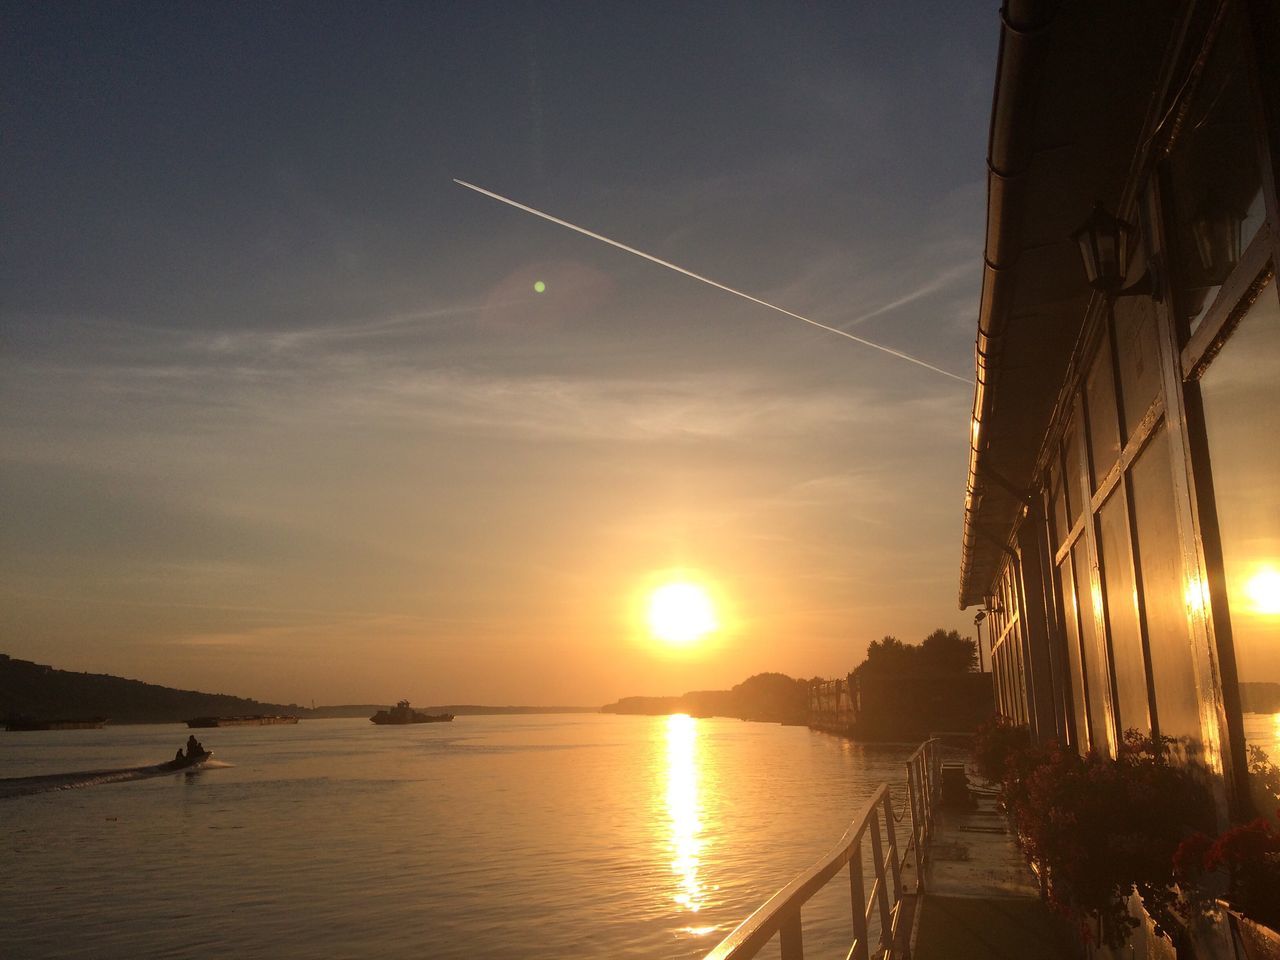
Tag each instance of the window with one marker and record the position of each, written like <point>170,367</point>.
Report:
<point>1215,181</point>
<point>1240,391</point>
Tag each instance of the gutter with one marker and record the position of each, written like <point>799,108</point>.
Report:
<point>1023,44</point>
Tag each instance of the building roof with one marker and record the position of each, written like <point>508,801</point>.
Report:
<point>1076,85</point>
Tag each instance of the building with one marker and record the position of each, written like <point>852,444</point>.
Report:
<point>1122,516</point>
<point>868,705</point>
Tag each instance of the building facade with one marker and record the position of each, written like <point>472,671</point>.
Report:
<point>1122,516</point>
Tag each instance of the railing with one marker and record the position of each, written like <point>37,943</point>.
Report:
<point>924,781</point>
<point>780,916</point>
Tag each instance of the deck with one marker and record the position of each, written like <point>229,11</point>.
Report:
<point>981,899</point>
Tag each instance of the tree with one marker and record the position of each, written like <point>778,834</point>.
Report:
<point>891,655</point>
<point>947,652</point>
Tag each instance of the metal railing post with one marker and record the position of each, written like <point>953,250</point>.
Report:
<point>917,834</point>
<point>791,936</point>
<point>858,899</point>
<point>895,868</point>
<point>882,891</point>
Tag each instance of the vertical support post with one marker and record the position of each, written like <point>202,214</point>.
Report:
<point>882,892</point>
<point>858,900</point>
<point>791,936</point>
<point>895,863</point>
<point>917,825</point>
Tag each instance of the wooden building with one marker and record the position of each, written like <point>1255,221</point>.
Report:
<point>1122,516</point>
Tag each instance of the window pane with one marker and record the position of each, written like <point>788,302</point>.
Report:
<point>1104,431</point>
<point>1164,596</point>
<point>1127,657</point>
<point>1241,392</point>
<point>1015,638</point>
<point>1139,361</point>
<point>1061,526</point>
<point>1095,669</point>
<point>1216,185</point>
<point>1074,444</point>
<point>1074,665</point>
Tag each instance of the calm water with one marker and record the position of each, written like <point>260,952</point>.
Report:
<point>551,836</point>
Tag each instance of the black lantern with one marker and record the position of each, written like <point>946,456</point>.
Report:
<point>1104,246</point>
<point>1216,232</point>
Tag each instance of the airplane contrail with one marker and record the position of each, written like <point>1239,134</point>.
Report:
<point>707,280</point>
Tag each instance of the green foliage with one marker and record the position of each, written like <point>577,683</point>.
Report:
<point>996,744</point>
<point>948,652</point>
<point>943,651</point>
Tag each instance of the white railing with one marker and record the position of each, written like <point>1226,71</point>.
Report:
<point>780,916</point>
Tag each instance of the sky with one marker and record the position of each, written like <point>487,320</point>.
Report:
<point>282,414</point>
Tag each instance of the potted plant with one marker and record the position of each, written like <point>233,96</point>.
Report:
<point>1238,872</point>
<point>1096,829</point>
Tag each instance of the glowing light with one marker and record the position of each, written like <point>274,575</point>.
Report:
<point>683,809</point>
<point>1263,591</point>
<point>681,613</point>
<point>539,287</point>
<point>1197,596</point>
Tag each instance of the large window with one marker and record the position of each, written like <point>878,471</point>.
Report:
<point>1215,179</point>
<point>1240,392</point>
<point>1125,632</point>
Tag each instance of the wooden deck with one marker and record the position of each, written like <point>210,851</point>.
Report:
<point>981,899</point>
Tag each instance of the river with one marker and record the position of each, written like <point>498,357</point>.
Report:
<point>575,835</point>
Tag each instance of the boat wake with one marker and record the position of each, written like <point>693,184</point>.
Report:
<point>50,782</point>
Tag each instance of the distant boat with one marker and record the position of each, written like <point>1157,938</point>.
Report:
<point>257,720</point>
<point>28,723</point>
<point>402,713</point>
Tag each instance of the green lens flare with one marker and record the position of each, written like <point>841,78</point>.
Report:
<point>539,287</point>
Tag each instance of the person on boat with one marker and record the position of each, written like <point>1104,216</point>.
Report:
<point>178,758</point>
<point>194,749</point>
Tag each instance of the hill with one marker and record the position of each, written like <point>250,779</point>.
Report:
<point>46,693</point>
<point>766,696</point>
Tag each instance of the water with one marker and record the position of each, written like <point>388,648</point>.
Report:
<point>546,836</point>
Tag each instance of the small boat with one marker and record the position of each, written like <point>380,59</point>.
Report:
<point>403,713</point>
<point>186,761</point>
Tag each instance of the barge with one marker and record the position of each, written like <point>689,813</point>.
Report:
<point>257,720</point>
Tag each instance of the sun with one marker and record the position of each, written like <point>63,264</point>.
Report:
<point>681,613</point>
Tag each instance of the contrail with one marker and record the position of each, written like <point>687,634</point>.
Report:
<point>707,280</point>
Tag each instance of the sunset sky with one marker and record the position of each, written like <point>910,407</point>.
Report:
<point>282,415</point>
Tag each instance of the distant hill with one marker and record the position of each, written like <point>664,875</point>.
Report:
<point>766,696</point>
<point>45,693</point>
<point>1260,697</point>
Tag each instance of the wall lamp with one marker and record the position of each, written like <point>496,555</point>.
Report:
<point>1104,240</point>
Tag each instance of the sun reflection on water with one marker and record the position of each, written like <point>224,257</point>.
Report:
<point>684,810</point>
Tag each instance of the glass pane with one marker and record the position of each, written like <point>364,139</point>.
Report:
<point>1015,638</point>
<point>1061,526</point>
<point>1074,445</point>
<point>1241,391</point>
<point>1104,431</point>
<point>1164,597</point>
<point>1070,616</point>
<point>1095,667</point>
<point>1216,185</point>
<point>1127,658</point>
<point>1139,360</point>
